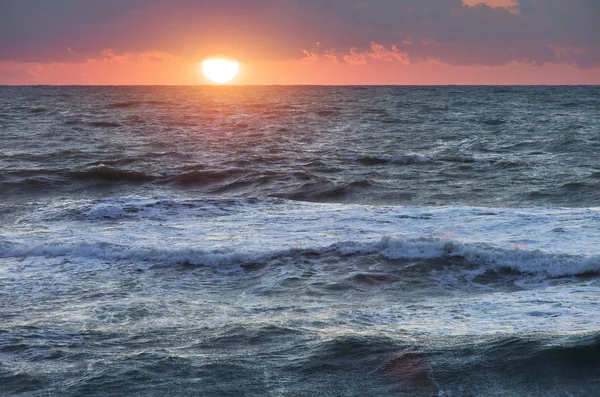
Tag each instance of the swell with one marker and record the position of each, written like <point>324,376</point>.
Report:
<point>292,184</point>
<point>54,178</point>
<point>320,189</point>
<point>303,361</point>
<point>519,364</point>
<point>515,364</point>
<point>108,173</point>
<point>310,182</point>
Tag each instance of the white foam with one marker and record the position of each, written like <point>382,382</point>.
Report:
<point>154,255</point>
<point>405,159</point>
<point>535,262</point>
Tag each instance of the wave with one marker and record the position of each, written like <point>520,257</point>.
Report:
<point>518,364</point>
<point>509,365</point>
<point>294,185</point>
<point>130,104</point>
<point>467,159</point>
<point>97,172</point>
<point>516,259</point>
<point>393,159</point>
<point>324,190</point>
<point>108,173</point>
<point>124,105</point>
<point>535,262</point>
<point>406,159</point>
<point>200,177</point>
<point>161,208</point>
<point>112,252</point>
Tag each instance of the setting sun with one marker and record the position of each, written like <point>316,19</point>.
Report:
<point>220,70</point>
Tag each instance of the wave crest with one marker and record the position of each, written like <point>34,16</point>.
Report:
<point>403,159</point>
<point>389,247</point>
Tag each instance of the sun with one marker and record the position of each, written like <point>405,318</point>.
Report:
<point>220,70</point>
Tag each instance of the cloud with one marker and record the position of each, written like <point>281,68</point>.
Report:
<point>353,57</point>
<point>512,5</point>
<point>378,51</point>
<point>457,32</point>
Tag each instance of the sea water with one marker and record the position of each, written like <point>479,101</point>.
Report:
<point>299,241</point>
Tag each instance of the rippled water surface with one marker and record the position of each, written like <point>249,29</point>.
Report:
<point>299,241</point>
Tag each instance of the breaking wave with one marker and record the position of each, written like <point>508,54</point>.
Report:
<point>483,255</point>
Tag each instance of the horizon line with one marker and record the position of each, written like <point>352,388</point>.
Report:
<point>301,85</point>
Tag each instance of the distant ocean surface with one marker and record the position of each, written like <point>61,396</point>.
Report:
<point>299,241</point>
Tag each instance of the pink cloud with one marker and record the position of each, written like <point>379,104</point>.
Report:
<point>354,57</point>
<point>378,51</point>
<point>310,56</point>
<point>511,5</point>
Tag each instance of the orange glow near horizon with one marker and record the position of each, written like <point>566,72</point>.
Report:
<point>378,68</point>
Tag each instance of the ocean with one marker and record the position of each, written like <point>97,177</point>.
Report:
<point>299,241</point>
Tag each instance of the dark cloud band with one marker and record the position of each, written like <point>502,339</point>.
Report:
<point>559,31</point>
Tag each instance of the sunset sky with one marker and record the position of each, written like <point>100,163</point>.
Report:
<point>301,41</point>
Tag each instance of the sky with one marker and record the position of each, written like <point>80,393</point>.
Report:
<point>301,41</point>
